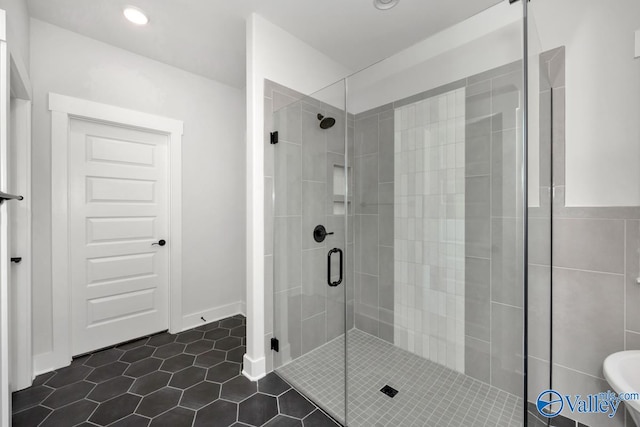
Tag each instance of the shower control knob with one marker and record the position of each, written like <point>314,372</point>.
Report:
<point>320,233</point>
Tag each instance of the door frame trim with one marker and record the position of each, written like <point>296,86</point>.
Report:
<point>63,109</point>
<point>20,144</point>
<point>5,392</point>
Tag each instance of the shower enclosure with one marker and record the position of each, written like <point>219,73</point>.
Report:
<point>410,213</point>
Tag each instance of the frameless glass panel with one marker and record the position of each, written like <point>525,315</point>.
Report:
<point>439,224</point>
<point>595,181</point>
<point>311,267</point>
<point>540,171</point>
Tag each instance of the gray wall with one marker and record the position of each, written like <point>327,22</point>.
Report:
<point>307,312</point>
<point>374,181</point>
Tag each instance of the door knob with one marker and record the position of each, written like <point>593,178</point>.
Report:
<point>160,242</point>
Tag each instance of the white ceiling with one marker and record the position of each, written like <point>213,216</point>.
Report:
<point>207,37</point>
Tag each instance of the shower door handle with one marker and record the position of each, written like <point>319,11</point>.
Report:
<point>331,252</point>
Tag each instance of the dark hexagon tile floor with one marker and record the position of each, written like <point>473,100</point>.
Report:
<point>190,379</point>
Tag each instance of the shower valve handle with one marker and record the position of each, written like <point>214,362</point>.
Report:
<point>320,233</point>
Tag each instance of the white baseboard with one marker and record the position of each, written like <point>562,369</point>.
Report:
<point>254,369</point>
<point>211,315</point>
<point>47,362</point>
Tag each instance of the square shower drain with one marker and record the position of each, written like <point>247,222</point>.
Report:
<point>389,391</point>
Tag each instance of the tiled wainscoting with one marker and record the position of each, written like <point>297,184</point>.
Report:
<point>596,298</point>
<point>186,380</point>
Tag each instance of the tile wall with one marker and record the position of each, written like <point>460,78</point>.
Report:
<point>374,201</point>
<point>493,232</point>
<point>430,228</point>
<point>492,239</point>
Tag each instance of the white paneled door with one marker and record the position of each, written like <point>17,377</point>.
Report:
<point>119,242</point>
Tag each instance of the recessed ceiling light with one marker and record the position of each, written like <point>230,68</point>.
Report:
<point>385,4</point>
<point>135,15</point>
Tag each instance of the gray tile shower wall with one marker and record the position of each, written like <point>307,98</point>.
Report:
<point>300,173</point>
<point>596,251</point>
<point>493,236</point>
<point>493,218</point>
<point>374,198</point>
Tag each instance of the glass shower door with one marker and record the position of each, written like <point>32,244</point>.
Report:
<point>311,267</point>
<point>440,232</point>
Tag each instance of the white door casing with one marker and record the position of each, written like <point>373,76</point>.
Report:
<point>64,110</point>
<point>20,244</point>
<point>5,395</point>
<point>118,209</point>
<point>21,354</point>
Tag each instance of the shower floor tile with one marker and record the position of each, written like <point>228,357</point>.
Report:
<point>429,394</point>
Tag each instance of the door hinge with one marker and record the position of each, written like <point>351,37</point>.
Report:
<point>275,344</point>
<point>274,137</point>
